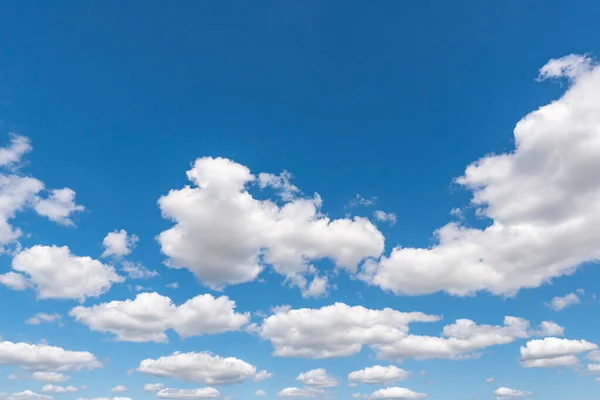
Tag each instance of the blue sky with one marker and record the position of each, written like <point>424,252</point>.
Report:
<point>385,200</point>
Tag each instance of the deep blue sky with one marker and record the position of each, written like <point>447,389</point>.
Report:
<point>391,99</point>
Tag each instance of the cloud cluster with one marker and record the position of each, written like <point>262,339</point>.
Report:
<point>45,358</point>
<point>379,375</point>
<point>554,352</point>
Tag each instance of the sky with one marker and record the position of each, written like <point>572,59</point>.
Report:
<point>283,199</point>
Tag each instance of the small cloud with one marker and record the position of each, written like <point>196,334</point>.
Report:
<point>382,216</point>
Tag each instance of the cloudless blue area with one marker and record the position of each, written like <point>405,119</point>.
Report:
<point>391,99</point>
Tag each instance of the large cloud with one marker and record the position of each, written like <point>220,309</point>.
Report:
<point>44,358</point>
<point>55,273</point>
<point>554,352</point>
<point>149,315</point>
<point>225,236</point>
<point>199,367</point>
<point>397,393</point>
<point>543,201</point>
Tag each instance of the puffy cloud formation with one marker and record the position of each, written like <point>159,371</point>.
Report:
<point>553,352</point>
<point>119,243</point>
<point>43,317</point>
<point>225,236</point>
<point>189,394</point>
<point>119,389</point>
<point>317,378</point>
<point>18,193</point>
<point>46,376</point>
<point>379,375</point>
<point>137,270</point>
<point>298,392</point>
<point>541,198</point>
<point>149,315</point>
<point>44,358</point>
<point>199,367</point>
<point>28,395</point>
<point>549,328</point>
<point>337,330</point>
<point>397,393</point>
<point>263,375</point>
<point>80,277</point>
<point>382,216</point>
<point>59,389</point>
<point>153,387</point>
<point>504,393</point>
<point>560,303</point>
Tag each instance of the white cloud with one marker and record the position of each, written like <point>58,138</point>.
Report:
<point>593,368</point>
<point>379,375</point>
<point>560,303</point>
<point>489,380</point>
<point>137,270</point>
<point>54,377</point>
<point>225,236</point>
<point>58,206</point>
<point>119,388</point>
<point>281,183</point>
<point>503,393</point>
<point>382,216</point>
<point>553,352</point>
<point>397,393</point>
<point>317,378</point>
<point>335,331</point>
<point>15,281</point>
<point>260,392</point>
<point>149,315</point>
<point>263,375</point>
<point>594,355</point>
<point>59,389</point>
<point>28,395</point>
<point>79,277</point>
<point>542,202</point>
<point>362,201</point>
<point>190,394</point>
<point>173,285</point>
<point>549,328</point>
<point>119,243</point>
<point>297,392</point>
<point>153,387</point>
<point>41,357</point>
<point>19,146</point>
<point>199,367</point>
<point>571,66</point>
<point>318,287</point>
<point>42,317</point>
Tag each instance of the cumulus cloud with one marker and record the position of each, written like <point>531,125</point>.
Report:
<point>190,394</point>
<point>382,216</point>
<point>119,388</point>
<point>379,375</point>
<point>298,392</point>
<point>46,376</point>
<point>119,243</point>
<point>260,392</point>
<point>335,331</point>
<point>45,358</point>
<point>58,206</point>
<point>317,378</point>
<point>59,389</point>
<point>43,317</point>
<point>137,270</point>
<point>504,393</point>
<point>263,375</point>
<point>570,66</point>
<point>80,277</point>
<point>153,387</point>
<point>553,352</point>
<point>199,367</point>
<point>560,303</point>
<point>549,328</point>
<point>18,147</point>
<point>397,393</point>
<point>226,236</point>
<point>541,201</point>
<point>28,395</point>
<point>149,315</point>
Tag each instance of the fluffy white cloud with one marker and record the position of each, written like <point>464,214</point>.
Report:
<point>41,357</point>
<point>55,273</point>
<point>153,387</point>
<point>137,270</point>
<point>263,375</point>
<point>260,392</point>
<point>317,378</point>
<point>199,367</point>
<point>15,281</point>
<point>42,317</point>
<point>560,303</point>
<point>59,389</point>
<point>594,355</point>
<point>397,393</point>
<point>225,236</point>
<point>119,388</point>
<point>298,392</point>
<point>553,352</point>
<point>59,206</point>
<point>503,393</point>
<point>382,216</point>
<point>543,201</point>
<point>28,395</point>
<point>119,243</point>
<point>489,380</point>
<point>46,376</point>
<point>190,394</point>
<point>18,147</point>
<point>149,315</point>
<point>335,331</point>
<point>571,66</point>
<point>379,375</point>
<point>549,328</point>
